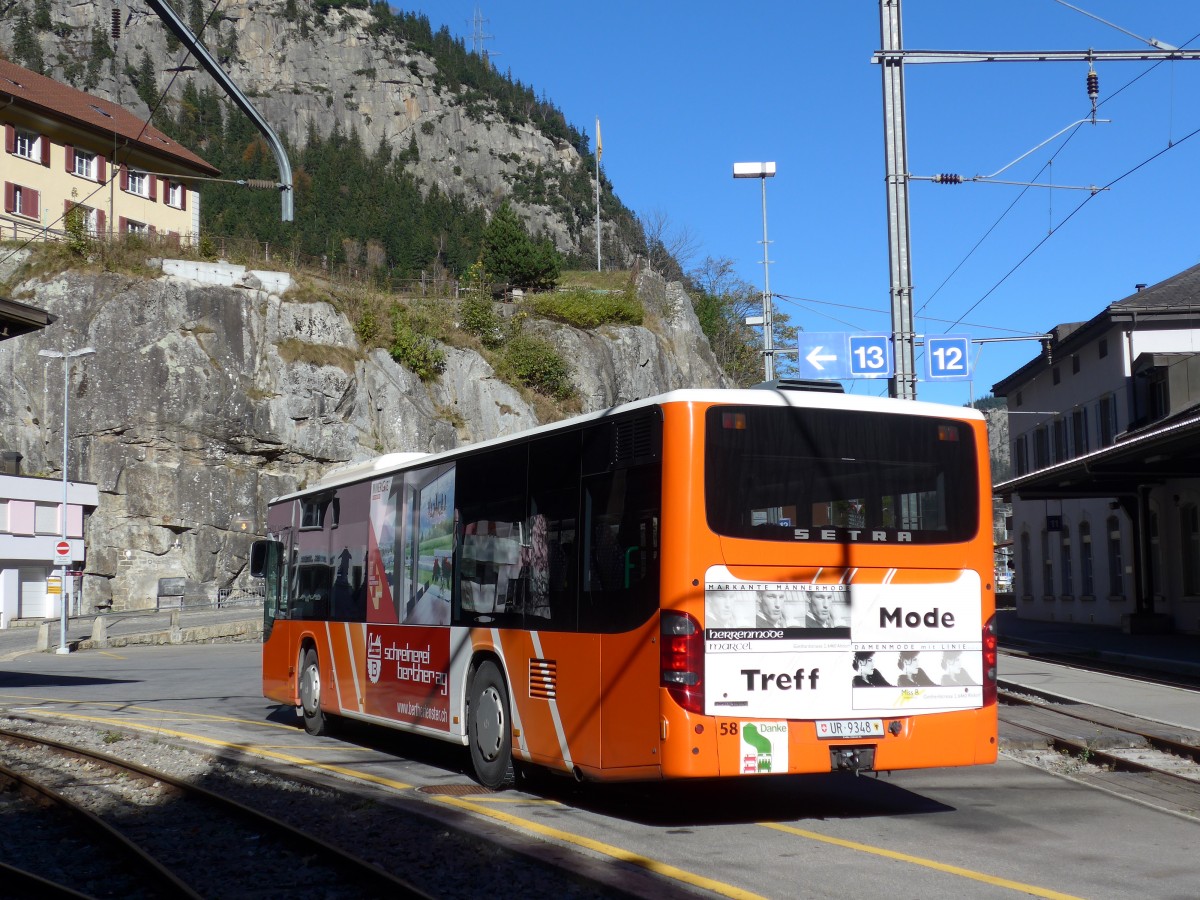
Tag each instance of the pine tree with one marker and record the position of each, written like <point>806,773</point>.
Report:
<point>509,253</point>
<point>26,47</point>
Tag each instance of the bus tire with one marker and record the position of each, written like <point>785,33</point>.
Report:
<point>315,721</point>
<point>489,729</point>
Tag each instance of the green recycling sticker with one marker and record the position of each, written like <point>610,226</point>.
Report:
<point>764,747</point>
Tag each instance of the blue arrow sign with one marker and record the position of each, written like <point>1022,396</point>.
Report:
<point>822,354</point>
<point>947,357</point>
<point>871,356</point>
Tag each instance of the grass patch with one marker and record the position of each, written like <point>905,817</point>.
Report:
<point>588,309</point>
<point>596,281</point>
<point>293,351</point>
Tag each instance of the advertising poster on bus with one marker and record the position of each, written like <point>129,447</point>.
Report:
<point>380,553</point>
<point>828,651</point>
<point>408,676</point>
<point>428,546</point>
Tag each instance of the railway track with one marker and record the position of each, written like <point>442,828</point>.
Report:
<point>84,823</point>
<point>1140,759</point>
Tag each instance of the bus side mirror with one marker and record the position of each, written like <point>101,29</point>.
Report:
<point>264,558</point>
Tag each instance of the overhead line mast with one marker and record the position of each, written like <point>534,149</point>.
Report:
<point>892,58</point>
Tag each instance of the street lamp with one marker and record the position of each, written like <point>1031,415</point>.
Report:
<point>66,358</point>
<point>763,171</point>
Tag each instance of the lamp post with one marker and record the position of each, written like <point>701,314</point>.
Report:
<point>762,171</point>
<point>66,358</point>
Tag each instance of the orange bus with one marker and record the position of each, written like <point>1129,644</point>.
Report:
<point>707,583</point>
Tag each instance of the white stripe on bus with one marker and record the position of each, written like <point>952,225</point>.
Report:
<point>353,668</point>
<point>558,726</point>
<point>512,705</point>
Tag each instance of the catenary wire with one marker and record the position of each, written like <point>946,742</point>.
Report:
<point>1053,156</point>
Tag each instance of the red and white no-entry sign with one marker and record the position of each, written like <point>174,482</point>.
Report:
<point>62,552</point>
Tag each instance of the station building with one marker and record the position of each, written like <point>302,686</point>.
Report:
<point>1105,430</point>
<point>65,148</point>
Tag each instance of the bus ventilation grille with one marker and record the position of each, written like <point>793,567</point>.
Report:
<point>634,440</point>
<point>543,679</point>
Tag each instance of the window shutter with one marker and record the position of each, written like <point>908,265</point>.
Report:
<point>124,178</point>
<point>153,187</point>
<point>70,157</point>
<point>67,204</point>
<point>100,222</point>
<point>183,192</point>
<point>44,140</point>
<point>153,231</point>
<point>32,203</point>
<point>122,224</point>
<point>100,170</point>
<point>10,139</point>
<point>10,196</point>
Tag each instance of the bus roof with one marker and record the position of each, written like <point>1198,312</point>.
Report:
<point>799,399</point>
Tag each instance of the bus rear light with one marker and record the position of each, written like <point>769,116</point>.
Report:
<point>989,662</point>
<point>681,660</point>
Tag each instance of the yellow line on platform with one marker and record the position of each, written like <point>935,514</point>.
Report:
<point>1029,889</point>
<point>627,856</point>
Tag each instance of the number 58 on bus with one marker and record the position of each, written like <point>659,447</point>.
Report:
<point>732,583</point>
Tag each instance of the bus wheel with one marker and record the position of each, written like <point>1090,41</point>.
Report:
<point>489,730</point>
<point>315,721</point>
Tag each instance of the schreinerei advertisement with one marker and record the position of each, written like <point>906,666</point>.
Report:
<point>834,651</point>
<point>408,675</point>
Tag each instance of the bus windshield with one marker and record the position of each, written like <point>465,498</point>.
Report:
<point>785,474</point>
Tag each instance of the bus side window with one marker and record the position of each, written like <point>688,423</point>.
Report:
<point>621,554</point>
<point>490,493</point>
<point>551,597</point>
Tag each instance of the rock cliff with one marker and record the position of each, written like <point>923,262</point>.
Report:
<point>202,402</point>
<point>305,64</point>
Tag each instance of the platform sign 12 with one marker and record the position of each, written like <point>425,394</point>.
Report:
<point>947,357</point>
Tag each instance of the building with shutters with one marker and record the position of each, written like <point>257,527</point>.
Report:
<point>1105,429</point>
<point>63,147</point>
<point>30,529</point>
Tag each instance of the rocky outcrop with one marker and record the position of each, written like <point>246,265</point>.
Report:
<point>202,402</point>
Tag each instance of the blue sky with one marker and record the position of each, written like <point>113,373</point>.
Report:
<point>684,90</point>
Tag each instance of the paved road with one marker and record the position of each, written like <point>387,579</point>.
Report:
<point>999,831</point>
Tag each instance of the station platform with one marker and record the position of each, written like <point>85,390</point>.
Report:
<point>1171,654</point>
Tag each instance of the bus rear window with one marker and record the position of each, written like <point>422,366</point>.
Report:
<point>783,474</point>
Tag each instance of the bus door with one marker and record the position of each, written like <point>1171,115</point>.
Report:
<point>269,561</point>
<point>620,583</point>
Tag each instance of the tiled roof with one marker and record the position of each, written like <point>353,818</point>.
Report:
<point>93,113</point>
